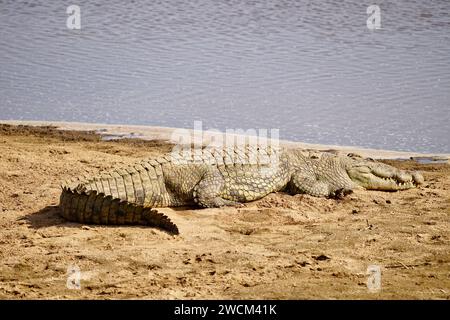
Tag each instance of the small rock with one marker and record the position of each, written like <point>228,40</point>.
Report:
<point>321,257</point>
<point>355,211</point>
<point>303,263</point>
<point>86,228</point>
<point>388,201</point>
<point>336,274</point>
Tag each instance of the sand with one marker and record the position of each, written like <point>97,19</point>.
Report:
<point>280,247</point>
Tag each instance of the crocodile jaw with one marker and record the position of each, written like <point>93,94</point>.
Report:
<point>379,176</point>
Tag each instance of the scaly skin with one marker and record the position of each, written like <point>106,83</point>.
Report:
<point>215,178</point>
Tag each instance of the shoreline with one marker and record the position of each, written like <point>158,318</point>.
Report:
<point>165,133</point>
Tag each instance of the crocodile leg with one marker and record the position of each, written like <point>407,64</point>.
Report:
<point>309,183</point>
<point>303,182</point>
<point>208,192</point>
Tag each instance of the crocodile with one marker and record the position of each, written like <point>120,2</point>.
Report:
<point>209,177</point>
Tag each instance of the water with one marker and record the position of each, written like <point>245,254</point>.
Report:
<point>313,70</point>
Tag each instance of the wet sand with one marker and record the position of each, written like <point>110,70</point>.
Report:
<point>280,247</point>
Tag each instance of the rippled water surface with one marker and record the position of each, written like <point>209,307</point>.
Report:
<point>310,68</point>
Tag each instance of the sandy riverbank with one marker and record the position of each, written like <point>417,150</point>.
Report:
<point>279,247</point>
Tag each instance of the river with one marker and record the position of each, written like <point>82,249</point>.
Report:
<point>312,69</point>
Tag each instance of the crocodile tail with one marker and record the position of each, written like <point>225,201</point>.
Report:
<point>92,207</point>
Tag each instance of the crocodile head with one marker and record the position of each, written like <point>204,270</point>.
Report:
<point>373,175</point>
